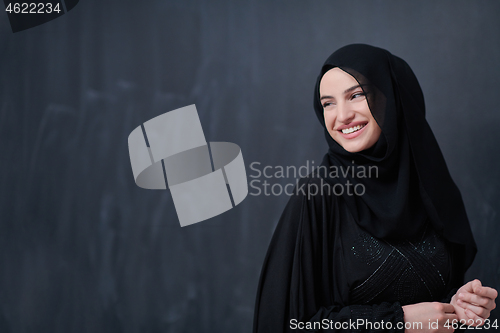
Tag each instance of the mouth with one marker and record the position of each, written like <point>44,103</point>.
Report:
<point>353,130</point>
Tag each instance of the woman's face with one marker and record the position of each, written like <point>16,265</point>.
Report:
<point>347,116</point>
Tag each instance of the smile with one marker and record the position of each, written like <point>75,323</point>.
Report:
<point>352,129</point>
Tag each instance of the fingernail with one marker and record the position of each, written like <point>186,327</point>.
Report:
<point>461,295</point>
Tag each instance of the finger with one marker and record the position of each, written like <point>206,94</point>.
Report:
<point>476,284</point>
<point>477,321</point>
<point>448,308</point>
<point>485,302</point>
<point>450,317</point>
<point>486,292</point>
<point>468,287</point>
<point>478,310</point>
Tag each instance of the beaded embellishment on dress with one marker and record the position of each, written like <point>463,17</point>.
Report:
<point>409,272</point>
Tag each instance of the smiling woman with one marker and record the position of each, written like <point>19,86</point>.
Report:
<point>395,256</point>
<point>347,116</point>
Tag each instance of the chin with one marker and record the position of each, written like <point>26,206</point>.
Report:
<point>354,148</point>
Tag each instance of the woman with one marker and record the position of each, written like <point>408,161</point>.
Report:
<point>364,251</point>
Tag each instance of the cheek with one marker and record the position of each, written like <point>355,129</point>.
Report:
<point>375,134</point>
<point>329,121</point>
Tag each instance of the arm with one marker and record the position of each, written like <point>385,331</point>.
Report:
<point>386,317</point>
<point>432,315</point>
<point>423,317</point>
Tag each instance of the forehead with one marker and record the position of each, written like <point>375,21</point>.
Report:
<point>336,81</point>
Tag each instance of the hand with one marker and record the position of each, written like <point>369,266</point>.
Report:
<point>473,303</point>
<point>428,313</point>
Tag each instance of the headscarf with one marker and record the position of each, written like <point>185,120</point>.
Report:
<point>413,185</point>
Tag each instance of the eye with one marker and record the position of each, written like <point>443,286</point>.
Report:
<point>327,104</point>
<point>358,94</point>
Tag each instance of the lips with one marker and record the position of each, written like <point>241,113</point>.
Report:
<point>352,130</point>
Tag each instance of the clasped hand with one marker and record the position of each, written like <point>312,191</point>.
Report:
<point>474,302</point>
<point>471,305</point>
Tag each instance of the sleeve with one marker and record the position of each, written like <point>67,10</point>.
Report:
<point>386,317</point>
<point>300,287</point>
<point>457,276</point>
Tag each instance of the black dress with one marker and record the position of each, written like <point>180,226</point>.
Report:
<point>321,267</point>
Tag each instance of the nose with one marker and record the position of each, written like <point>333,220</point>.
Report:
<point>345,114</point>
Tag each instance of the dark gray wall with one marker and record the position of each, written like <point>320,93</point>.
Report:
<point>83,249</point>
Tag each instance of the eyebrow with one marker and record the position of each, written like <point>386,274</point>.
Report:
<point>345,91</point>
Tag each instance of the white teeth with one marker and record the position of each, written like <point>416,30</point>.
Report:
<point>352,129</point>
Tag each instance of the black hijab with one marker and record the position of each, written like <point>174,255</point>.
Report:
<point>413,183</point>
<point>304,275</point>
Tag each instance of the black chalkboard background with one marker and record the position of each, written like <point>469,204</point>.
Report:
<point>83,249</point>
